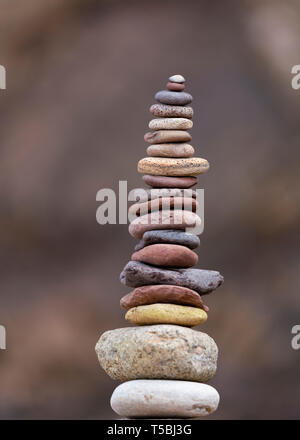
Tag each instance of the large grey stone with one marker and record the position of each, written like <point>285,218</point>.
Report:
<point>171,236</point>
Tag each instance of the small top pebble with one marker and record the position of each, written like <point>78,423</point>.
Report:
<point>177,79</point>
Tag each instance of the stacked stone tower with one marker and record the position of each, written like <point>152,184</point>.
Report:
<point>163,363</point>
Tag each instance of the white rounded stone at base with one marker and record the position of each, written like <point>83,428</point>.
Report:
<point>164,399</point>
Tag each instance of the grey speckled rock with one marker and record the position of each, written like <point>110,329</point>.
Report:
<point>168,236</point>
<point>173,98</point>
<point>136,274</point>
<point>164,398</point>
<point>171,111</point>
<point>157,352</point>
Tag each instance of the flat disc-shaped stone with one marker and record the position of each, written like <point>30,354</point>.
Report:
<point>171,111</point>
<point>169,182</point>
<point>171,236</point>
<point>170,124</point>
<point>163,203</point>
<point>169,255</point>
<point>173,98</point>
<point>163,136</point>
<point>180,149</point>
<point>142,194</point>
<point>162,166</point>
<point>175,87</point>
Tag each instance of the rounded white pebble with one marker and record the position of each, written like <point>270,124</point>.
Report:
<point>177,79</point>
<point>170,123</point>
<point>164,399</point>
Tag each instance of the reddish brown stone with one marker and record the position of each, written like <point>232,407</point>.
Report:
<point>169,182</point>
<point>169,255</point>
<point>162,294</point>
<point>175,87</point>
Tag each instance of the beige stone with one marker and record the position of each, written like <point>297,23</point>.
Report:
<point>170,124</point>
<point>171,150</point>
<point>161,166</point>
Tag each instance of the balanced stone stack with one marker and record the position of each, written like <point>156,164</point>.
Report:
<point>163,363</point>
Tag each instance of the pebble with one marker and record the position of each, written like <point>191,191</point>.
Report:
<point>157,352</point>
<point>136,274</point>
<point>166,314</point>
<point>170,255</point>
<point>162,166</point>
<point>163,203</point>
<point>171,150</point>
<point>170,182</point>
<point>168,219</point>
<point>170,124</point>
<point>177,79</point>
<point>142,194</point>
<point>171,111</point>
<point>175,87</point>
<point>164,399</point>
<point>171,236</point>
<point>162,293</point>
<point>163,136</point>
<point>173,98</point>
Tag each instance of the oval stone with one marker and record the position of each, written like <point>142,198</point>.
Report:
<point>142,194</point>
<point>169,182</point>
<point>170,255</point>
<point>153,314</point>
<point>168,236</point>
<point>170,111</point>
<point>163,136</point>
<point>170,124</point>
<point>175,87</point>
<point>157,352</point>
<point>168,219</point>
<point>136,274</point>
<point>177,79</point>
<point>162,166</point>
<point>171,150</point>
<point>162,203</point>
<point>161,293</point>
<point>151,399</point>
<point>173,98</point>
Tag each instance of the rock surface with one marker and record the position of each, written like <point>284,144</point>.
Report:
<point>171,236</point>
<point>170,182</point>
<point>162,166</point>
<point>162,136</point>
<point>142,194</point>
<point>168,219</point>
<point>170,124</point>
<point>171,150</point>
<point>162,203</point>
<point>169,255</point>
<point>136,274</point>
<point>141,296</point>
<point>175,87</point>
<point>171,111</point>
<point>157,352</point>
<point>164,399</point>
<point>166,314</point>
<point>173,98</point>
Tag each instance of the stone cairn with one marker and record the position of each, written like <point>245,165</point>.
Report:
<point>163,362</point>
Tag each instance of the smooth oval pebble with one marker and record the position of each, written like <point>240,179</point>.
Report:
<point>164,399</point>
<point>153,314</point>
<point>170,124</point>
<point>162,166</point>
<point>168,219</point>
<point>163,136</point>
<point>171,150</point>
<point>173,98</point>
<point>170,111</point>
<point>169,182</point>
<point>177,79</point>
<point>162,203</point>
<point>175,87</point>
<point>162,293</point>
<point>142,194</point>
<point>170,255</point>
<point>171,236</point>
<point>136,274</point>
<point>157,352</point>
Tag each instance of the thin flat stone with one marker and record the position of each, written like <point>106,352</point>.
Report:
<point>163,166</point>
<point>136,274</point>
<point>163,136</point>
<point>162,293</point>
<point>171,150</point>
<point>173,98</point>
<point>157,352</point>
<point>171,111</point>
<point>142,194</point>
<point>166,255</point>
<point>177,79</point>
<point>152,399</point>
<point>162,203</point>
<point>175,87</point>
<point>171,236</point>
<point>170,124</point>
<point>170,182</point>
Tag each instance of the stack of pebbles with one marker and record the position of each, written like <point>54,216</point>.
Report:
<point>163,362</point>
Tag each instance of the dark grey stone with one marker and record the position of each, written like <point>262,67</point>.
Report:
<point>168,236</point>
<point>173,98</point>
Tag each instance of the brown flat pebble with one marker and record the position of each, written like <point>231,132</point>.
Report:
<point>162,294</point>
<point>180,149</point>
<point>186,203</point>
<point>169,182</point>
<point>163,136</point>
<point>171,111</point>
<point>175,87</point>
<point>167,255</point>
<point>165,166</point>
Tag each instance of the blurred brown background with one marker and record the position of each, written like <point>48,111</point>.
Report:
<point>81,76</point>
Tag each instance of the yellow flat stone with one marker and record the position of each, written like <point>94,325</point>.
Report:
<point>166,314</point>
